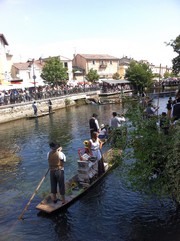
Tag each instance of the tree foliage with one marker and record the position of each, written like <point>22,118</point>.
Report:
<point>53,71</point>
<point>176,61</point>
<point>116,76</point>
<point>92,75</point>
<point>167,75</point>
<point>155,168</point>
<point>140,75</point>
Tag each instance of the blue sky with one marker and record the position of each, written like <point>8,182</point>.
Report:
<point>133,28</point>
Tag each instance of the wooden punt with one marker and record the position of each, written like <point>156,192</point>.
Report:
<point>39,115</point>
<point>76,187</point>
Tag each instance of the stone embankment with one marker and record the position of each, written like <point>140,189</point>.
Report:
<point>23,110</point>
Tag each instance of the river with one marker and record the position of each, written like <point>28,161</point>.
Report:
<point>109,212</point>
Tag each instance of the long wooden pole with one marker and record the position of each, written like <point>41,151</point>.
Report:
<point>34,193</point>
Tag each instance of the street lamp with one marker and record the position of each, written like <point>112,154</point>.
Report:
<point>34,76</point>
<point>84,80</point>
<point>31,69</point>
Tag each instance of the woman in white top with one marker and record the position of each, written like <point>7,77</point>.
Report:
<point>95,146</point>
<point>103,133</point>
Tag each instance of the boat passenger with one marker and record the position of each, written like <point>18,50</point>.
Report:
<point>56,159</point>
<point>95,146</point>
<point>150,110</point>
<point>114,121</point>
<point>103,133</point>
<point>93,124</point>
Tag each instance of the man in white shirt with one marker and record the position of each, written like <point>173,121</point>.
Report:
<point>115,122</point>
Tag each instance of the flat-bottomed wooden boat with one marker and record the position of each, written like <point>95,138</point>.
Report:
<point>39,115</point>
<point>80,183</point>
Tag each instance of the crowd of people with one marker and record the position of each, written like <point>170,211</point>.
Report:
<point>114,87</point>
<point>43,92</point>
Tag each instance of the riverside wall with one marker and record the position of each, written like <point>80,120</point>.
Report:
<point>23,110</point>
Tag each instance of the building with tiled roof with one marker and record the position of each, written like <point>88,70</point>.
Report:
<point>106,65</point>
<point>5,61</point>
<point>30,72</point>
<point>27,72</point>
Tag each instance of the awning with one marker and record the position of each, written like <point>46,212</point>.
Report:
<point>16,82</point>
<point>10,87</point>
<point>114,81</point>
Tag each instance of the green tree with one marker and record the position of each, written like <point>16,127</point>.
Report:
<point>156,75</point>
<point>155,165</point>
<point>53,71</point>
<point>166,75</point>
<point>92,75</point>
<point>140,75</point>
<point>176,61</point>
<point>116,76</point>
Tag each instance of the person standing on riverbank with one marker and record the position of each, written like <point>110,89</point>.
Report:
<point>56,159</point>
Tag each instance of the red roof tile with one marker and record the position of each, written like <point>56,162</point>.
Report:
<point>21,66</point>
<point>98,56</point>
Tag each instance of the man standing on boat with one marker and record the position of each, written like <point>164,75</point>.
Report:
<point>115,122</point>
<point>50,106</point>
<point>56,159</point>
<point>94,124</point>
<point>34,106</point>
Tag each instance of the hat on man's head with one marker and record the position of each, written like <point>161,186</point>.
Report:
<point>54,146</point>
<point>102,125</point>
<point>95,115</point>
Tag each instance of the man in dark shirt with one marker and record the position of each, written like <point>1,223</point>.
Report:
<point>93,124</point>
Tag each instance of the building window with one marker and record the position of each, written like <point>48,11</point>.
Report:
<point>93,62</point>
<point>110,61</point>
<point>65,65</point>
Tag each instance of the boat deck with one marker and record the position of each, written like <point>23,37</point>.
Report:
<point>75,187</point>
<point>39,115</point>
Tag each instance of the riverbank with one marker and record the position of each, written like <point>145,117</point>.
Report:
<point>23,110</point>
